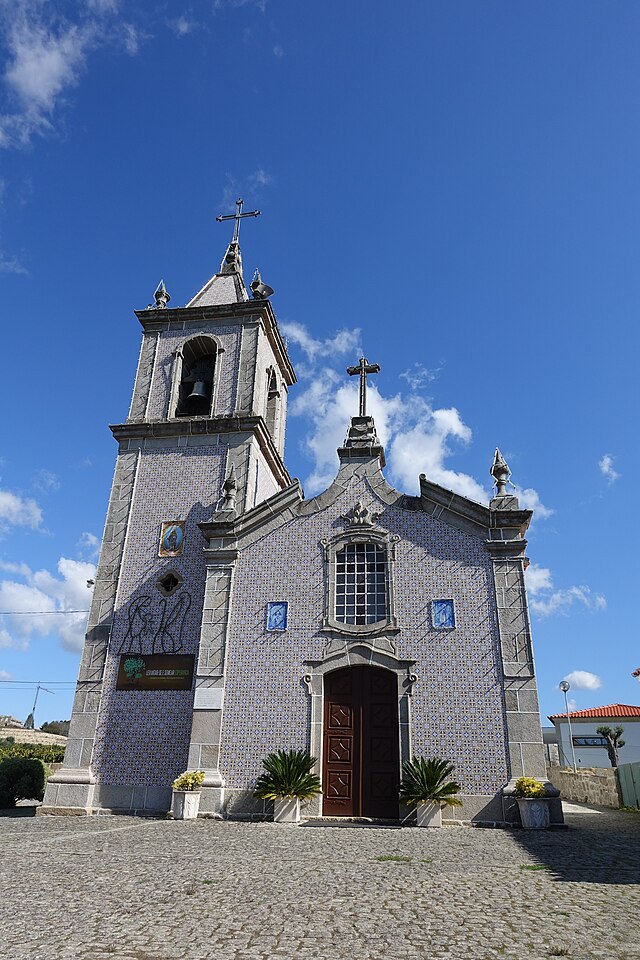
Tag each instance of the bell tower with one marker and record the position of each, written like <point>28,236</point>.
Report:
<point>205,432</point>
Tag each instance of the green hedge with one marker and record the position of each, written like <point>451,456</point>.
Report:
<point>47,752</point>
<point>21,779</point>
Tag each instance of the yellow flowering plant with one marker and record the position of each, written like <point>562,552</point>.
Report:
<point>189,780</point>
<point>528,788</point>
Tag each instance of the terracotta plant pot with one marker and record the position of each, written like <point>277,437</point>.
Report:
<point>185,804</point>
<point>286,810</point>
<point>428,814</point>
<point>534,813</point>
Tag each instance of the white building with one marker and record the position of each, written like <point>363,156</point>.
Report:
<point>590,747</point>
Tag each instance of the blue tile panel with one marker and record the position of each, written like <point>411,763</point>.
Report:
<point>457,703</point>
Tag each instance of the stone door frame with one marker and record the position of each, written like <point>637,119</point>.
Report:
<point>339,653</point>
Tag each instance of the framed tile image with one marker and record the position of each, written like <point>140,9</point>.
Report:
<point>443,614</point>
<point>277,616</point>
<point>171,538</point>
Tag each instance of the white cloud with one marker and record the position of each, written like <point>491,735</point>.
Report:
<point>182,26</point>
<point>89,545</point>
<point>19,511</point>
<point>259,178</point>
<point>46,481</point>
<point>530,500</point>
<point>418,376</point>
<point>8,262</point>
<point>538,579</point>
<point>247,187</point>
<point>278,51</point>
<point>44,63</point>
<point>606,468</point>
<point>42,593</point>
<point>219,4</point>
<point>345,341</point>
<point>418,437</point>
<point>46,56</point>
<point>132,38</point>
<point>583,680</point>
<point>5,675</point>
<point>545,600</point>
<point>103,6</point>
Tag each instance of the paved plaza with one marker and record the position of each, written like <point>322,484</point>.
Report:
<point>104,887</point>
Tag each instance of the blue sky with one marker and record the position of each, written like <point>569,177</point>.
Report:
<point>450,187</point>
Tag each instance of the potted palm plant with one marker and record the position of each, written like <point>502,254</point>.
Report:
<point>185,800</point>
<point>533,803</point>
<point>287,780</point>
<point>426,785</point>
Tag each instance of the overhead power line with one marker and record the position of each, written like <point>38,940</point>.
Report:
<point>37,613</point>
<point>51,683</point>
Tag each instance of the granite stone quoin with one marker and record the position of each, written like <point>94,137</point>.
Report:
<point>414,605</point>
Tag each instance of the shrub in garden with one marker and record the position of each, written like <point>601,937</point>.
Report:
<point>21,779</point>
<point>47,752</point>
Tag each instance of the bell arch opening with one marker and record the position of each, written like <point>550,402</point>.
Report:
<point>196,377</point>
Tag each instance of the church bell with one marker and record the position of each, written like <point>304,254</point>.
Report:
<point>199,391</point>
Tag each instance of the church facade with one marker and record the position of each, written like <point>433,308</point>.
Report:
<point>232,617</point>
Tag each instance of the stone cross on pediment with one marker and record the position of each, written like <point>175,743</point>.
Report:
<point>363,368</point>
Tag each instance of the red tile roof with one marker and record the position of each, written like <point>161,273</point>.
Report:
<point>596,713</point>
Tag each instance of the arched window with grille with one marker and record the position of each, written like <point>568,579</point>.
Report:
<point>359,597</point>
<point>361,583</point>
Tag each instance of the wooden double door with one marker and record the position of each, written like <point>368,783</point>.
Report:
<point>361,756</point>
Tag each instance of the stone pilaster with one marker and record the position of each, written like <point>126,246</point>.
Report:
<point>71,789</point>
<point>206,730</point>
<point>144,377</point>
<point>522,713</point>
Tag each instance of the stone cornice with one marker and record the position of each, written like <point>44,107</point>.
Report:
<point>211,426</point>
<point>273,511</point>
<point>481,518</point>
<point>261,310</point>
<point>507,549</point>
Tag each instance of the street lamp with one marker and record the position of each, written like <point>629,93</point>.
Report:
<point>565,686</point>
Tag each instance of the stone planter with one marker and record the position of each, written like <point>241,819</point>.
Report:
<point>534,814</point>
<point>185,804</point>
<point>428,814</point>
<point>286,810</point>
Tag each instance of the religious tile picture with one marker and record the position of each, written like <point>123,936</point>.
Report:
<point>364,626</point>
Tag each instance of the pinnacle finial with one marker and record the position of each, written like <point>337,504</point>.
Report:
<point>230,488</point>
<point>161,296</point>
<point>500,473</point>
<point>259,289</point>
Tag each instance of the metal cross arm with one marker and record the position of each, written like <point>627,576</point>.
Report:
<point>363,368</point>
<point>238,216</point>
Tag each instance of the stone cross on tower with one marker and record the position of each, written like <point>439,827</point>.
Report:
<point>363,368</point>
<point>237,216</point>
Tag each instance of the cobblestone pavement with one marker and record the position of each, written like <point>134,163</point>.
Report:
<point>99,888</point>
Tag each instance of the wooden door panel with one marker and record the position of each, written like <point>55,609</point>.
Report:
<point>361,759</point>
<point>340,715</point>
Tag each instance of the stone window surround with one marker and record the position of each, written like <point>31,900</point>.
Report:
<point>331,547</point>
<point>176,375</point>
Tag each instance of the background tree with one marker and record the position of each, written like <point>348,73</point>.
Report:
<point>614,742</point>
<point>59,727</point>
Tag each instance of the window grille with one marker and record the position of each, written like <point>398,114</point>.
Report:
<point>361,584</point>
